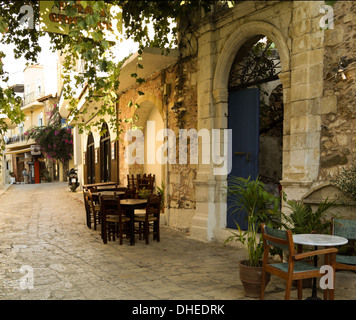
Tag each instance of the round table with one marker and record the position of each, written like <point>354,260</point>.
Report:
<point>318,240</point>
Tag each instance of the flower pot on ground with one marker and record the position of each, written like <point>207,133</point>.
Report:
<point>251,198</point>
<point>251,278</point>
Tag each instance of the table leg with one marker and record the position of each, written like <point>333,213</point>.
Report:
<point>131,213</point>
<point>314,295</point>
<point>104,232</point>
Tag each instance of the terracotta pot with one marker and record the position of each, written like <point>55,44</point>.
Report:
<point>251,278</point>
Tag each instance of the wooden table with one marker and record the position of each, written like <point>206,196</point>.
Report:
<point>317,240</point>
<point>129,205</point>
<point>95,195</point>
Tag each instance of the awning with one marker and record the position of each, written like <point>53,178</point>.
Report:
<point>18,151</point>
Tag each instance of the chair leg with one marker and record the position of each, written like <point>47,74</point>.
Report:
<point>94,218</point>
<point>120,234</point>
<point>300,289</point>
<point>146,232</point>
<point>288,288</point>
<point>263,285</point>
<point>326,291</point>
<point>332,263</point>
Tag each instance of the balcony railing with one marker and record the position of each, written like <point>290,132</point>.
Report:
<point>32,97</point>
<point>15,139</point>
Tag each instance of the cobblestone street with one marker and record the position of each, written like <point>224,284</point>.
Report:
<point>44,234</point>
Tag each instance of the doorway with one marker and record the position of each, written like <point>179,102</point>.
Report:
<point>91,160</point>
<point>255,109</point>
<point>105,154</point>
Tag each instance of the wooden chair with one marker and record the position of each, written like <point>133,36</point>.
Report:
<point>294,268</point>
<point>132,182</point>
<point>94,213</point>
<point>130,193</point>
<point>86,206</point>
<point>115,223</point>
<point>347,229</point>
<point>150,220</point>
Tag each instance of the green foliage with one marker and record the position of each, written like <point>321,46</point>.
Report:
<point>144,193</point>
<point>303,220</point>
<point>56,142</point>
<point>86,41</point>
<point>160,191</point>
<point>346,182</point>
<point>250,196</point>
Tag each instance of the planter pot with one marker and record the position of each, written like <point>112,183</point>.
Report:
<point>251,278</point>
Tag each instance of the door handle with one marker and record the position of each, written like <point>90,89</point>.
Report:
<point>247,154</point>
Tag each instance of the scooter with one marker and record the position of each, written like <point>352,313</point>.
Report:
<point>73,180</point>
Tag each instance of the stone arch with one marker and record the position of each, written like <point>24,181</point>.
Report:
<point>151,110</point>
<point>221,79</point>
<point>233,45</point>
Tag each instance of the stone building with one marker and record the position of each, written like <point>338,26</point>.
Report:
<point>39,94</point>
<point>280,57</point>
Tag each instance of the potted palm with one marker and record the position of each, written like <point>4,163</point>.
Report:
<point>250,198</point>
<point>160,191</point>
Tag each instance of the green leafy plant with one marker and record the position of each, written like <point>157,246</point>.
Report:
<point>302,219</point>
<point>56,142</point>
<point>160,191</point>
<point>346,182</point>
<point>250,196</point>
<point>144,193</point>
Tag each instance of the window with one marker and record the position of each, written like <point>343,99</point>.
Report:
<point>40,120</point>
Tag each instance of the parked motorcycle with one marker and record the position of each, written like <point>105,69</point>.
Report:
<point>73,179</point>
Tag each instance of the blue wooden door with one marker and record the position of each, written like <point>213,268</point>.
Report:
<point>244,109</point>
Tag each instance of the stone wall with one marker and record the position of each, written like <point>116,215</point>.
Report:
<point>310,102</point>
<point>338,107</point>
<point>182,82</point>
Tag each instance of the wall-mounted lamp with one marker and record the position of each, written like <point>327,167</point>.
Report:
<point>175,109</point>
<point>342,67</point>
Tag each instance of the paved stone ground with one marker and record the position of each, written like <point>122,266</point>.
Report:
<point>43,232</point>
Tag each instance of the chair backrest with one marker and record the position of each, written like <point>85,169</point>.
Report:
<point>109,205</point>
<point>347,229</point>
<point>282,239</point>
<point>153,205</point>
<point>90,200</point>
<point>130,193</point>
<point>85,196</point>
<point>344,228</point>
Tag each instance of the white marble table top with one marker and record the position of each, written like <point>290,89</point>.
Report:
<point>322,240</point>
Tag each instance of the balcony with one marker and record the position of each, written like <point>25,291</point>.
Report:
<point>17,138</point>
<point>30,100</point>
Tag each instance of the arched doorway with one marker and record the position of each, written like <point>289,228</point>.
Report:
<point>90,160</point>
<point>150,121</point>
<point>105,154</point>
<point>255,116</point>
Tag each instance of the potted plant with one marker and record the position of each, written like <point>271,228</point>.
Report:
<point>144,193</point>
<point>251,198</point>
<point>160,191</point>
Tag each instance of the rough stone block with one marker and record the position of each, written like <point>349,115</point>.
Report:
<point>301,43</point>
<point>328,105</point>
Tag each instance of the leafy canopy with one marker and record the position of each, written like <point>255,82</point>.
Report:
<point>100,70</point>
